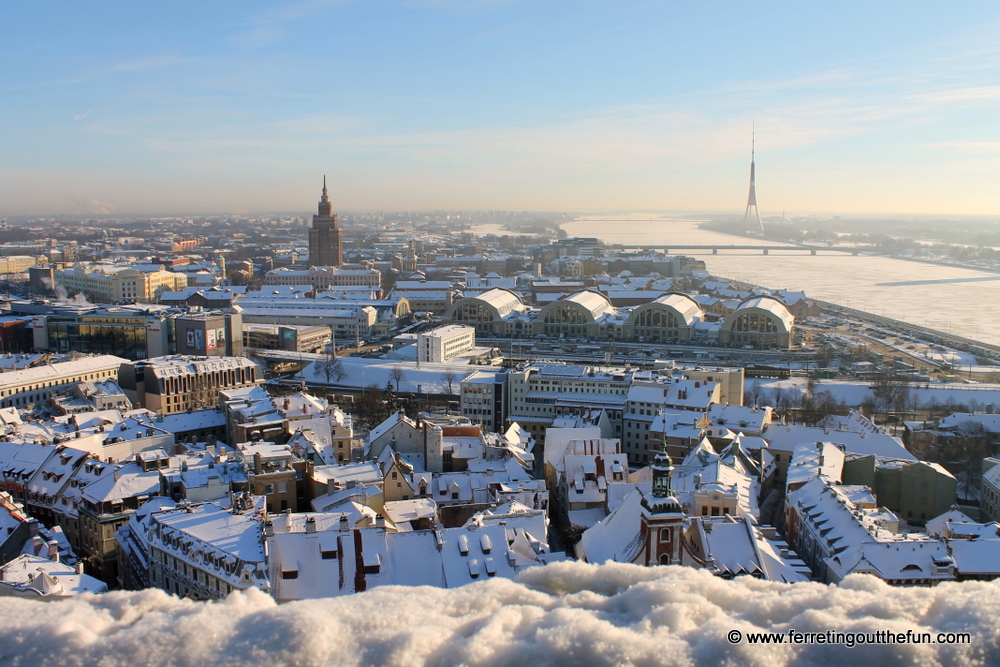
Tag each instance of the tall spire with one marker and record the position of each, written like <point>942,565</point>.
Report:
<point>325,207</point>
<point>752,199</point>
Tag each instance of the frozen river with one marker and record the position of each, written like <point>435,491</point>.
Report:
<point>959,301</point>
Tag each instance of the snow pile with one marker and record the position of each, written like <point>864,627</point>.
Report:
<point>566,613</point>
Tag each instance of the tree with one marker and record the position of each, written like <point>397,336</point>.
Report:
<point>389,398</point>
<point>397,374</point>
<point>891,390</point>
<point>372,409</point>
<point>202,395</point>
<point>449,378</point>
<point>970,446</point>
<point>753,395</point>
<point>331,366</point>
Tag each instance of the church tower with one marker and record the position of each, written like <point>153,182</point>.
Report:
<point>662,517</point>
<point>325,246</point>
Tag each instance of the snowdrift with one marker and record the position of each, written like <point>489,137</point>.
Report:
<point>566,613</point>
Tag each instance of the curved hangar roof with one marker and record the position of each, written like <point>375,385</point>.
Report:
<point>686,308</point>
<point>763,305</point>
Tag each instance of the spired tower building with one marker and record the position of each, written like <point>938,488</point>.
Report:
<point>325,247</point>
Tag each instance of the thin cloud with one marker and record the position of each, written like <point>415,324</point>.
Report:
<point>260,36</point>
<point>968,94</point>
<point>294,11</point>
<point>977,146</point>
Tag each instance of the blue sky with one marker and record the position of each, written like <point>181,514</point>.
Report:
<point>141,107</point>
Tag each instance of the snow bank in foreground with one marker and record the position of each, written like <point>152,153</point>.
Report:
<point>566,613</point>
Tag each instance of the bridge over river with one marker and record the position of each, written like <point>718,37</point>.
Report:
<point>716,247</point>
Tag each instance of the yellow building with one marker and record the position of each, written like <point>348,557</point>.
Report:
<point>17,263</point>
<point>109,283</point>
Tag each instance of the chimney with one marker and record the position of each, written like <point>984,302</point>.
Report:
<point>310,524</point>
<point>79,567</point>
<point>380,521</point>
<point>345,525</point>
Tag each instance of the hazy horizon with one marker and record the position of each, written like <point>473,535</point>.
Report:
<point>443,105</point>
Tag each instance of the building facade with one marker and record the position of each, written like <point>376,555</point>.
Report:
<point>109,283</point>
<point>167,385</point>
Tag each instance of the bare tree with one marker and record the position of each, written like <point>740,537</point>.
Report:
<point>753,395</point>
<point>371,406</point>
<point>339,371</point>
<point>203,395</point>
<point>397,374</point>
<point>449,378</point>
<point>331,366</point>
<point>970,445</point>
<point>891,390</point>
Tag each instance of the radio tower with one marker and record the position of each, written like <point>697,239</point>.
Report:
<point>752,199</point>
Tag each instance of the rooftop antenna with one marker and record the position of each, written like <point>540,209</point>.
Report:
<point>752,199</point>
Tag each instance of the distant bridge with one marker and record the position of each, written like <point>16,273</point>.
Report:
<point>716,247</point>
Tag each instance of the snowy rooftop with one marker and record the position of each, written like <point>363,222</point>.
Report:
<point>236,534</point>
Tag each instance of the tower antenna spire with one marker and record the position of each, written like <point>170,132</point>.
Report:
<point>752,199</point>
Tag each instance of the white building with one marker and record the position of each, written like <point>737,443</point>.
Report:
<point>325,277</point>
<point>445,342</point>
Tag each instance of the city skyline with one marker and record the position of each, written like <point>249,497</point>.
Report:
<point>438,105</point>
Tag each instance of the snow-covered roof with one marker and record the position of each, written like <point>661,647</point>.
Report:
<point>617,537</point>
<point>822,459</point>
<point>36,577</point>
<point>128,481</point>
<point>786,438</point>
<point>236,534</point>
